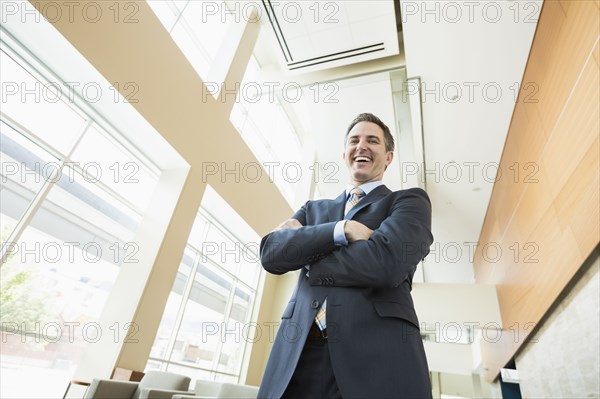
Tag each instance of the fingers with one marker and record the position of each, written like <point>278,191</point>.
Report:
<point>356,231</point>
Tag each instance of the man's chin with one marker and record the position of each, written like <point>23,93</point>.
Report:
<point>363,171</point>
<point>361,178</point>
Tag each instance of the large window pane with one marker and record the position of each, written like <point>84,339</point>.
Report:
<point>199,230</point>
<point>222,250</point>
<point>198,335</point>
<point>265,127</point>
<point>167,324</point>
<point>25,168</point>
<point>249,267</point>
<point>53,291</point>
<point>40,107</point>
<point>108,162</point>
<point>198,27</point>
<point>238,330</point>
<point>99,216</point>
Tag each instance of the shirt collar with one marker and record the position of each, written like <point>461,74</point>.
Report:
<point>366,188</point>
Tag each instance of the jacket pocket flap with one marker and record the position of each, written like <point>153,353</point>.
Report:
<point>395,309</point>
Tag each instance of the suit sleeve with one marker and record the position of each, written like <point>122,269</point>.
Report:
<point>291,249</point>
<point>389,256</point>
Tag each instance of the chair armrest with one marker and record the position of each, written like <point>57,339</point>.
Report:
<point>155,393</point>
<point>110,389</point>
<point>192,397</point>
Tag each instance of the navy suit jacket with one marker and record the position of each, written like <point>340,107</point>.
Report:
<point>374,340</point>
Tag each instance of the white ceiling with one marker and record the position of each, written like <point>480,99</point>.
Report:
<point>447,52</point>
<point>475,51</point>
<point>318,35</point>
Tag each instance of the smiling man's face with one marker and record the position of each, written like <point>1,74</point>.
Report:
<point>365,154</point>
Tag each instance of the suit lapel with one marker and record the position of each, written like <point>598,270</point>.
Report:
<point>375,195</point>
<point>336,207</point>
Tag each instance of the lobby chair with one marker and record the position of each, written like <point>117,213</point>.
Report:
<point>236,391</point>
<point>154,385</point>
<point>220,390</point>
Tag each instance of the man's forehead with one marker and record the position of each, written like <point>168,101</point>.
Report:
<point>365,128</point>
<point>367,134</point>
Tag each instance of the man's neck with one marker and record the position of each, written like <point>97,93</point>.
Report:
<point>366,187</point>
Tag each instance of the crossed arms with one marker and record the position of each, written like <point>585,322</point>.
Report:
<point>353,230</point>
<point>383,257</point>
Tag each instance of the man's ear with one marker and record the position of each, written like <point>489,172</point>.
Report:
<point>389,156</point>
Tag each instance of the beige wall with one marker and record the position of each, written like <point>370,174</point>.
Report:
<point>561,358</point>
<point>274,300</point>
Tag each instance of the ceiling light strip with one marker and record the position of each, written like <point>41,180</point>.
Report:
<point>278,31</point>
<point>338,53</point>
<point>337,58</point>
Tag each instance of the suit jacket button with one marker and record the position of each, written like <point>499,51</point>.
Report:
<point>314,304</point>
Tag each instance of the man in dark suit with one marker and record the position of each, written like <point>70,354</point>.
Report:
<point>350,329</point>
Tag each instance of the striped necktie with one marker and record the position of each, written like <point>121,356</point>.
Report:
<point>355,195</point>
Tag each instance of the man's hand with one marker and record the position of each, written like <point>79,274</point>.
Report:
<point>288,224</point>
<point>355,231</point>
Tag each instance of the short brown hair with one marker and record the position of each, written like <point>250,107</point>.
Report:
<point>368,117</point>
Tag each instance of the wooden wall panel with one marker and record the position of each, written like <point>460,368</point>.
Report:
<point>577,204</point>
<point>564,55</point>
<point>546,218</point>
